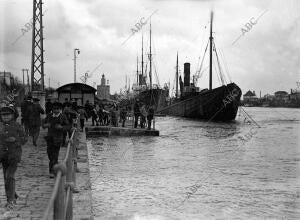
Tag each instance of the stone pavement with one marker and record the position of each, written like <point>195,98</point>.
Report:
<point>35,187</point>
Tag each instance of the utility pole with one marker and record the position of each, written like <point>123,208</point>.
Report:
<point>27,70</point>
<point>49,82</point>
<point>23,70</point>
<point>76,51</point>
<point>37,53</point>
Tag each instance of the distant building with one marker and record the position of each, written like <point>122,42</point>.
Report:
<point>295,95</point>
<point>81,93</point>
<point>250,96</point>
<point>268,97</point>
<point>280,94</point>
<point>103,90</point>
<point>250,99</point>
<point>5,78</point>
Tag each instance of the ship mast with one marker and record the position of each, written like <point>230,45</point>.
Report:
<point>142,56</point>
<point>176,94</point>
<point>137,70</point>
<point>210,50</point>
<point>150,58</point>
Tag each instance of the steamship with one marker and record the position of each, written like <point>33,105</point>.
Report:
<point>213,104</point>
<point>149,94</point>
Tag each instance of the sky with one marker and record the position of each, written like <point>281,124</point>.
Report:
<point>265,58</point>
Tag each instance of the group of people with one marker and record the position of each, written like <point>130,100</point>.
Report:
<point>143,112</point>
<point>113,114</point>
<point>59,122</point>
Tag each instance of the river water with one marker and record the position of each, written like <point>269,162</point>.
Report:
<point>201,170</point>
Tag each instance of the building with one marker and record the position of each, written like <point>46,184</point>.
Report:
<point>81,93</point>
<point>5,78</point>
<point>280,95</point>
<point>295,95</point>
<point>103,90</point>
<point>250,97</point>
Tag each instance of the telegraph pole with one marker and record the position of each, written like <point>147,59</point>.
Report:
<point>23,70</point>
<point>27,76</point>
<point>76,51</point>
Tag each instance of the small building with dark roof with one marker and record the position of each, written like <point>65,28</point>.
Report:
<point>79,92</point>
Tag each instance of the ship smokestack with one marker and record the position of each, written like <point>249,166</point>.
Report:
<point>187,74</point>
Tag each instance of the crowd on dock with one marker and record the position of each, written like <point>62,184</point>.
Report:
<point>117,115</point>
<point>59,120</point>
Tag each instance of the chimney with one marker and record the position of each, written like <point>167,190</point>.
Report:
<point>186,74</point>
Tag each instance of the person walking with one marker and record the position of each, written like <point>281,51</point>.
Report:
<point>34,115</point>
<point>82,116</point>
<point>12,137</point>
<point>25,106</point>
<point>57,123</point>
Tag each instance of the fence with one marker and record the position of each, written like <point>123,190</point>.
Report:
<point>61,201</point>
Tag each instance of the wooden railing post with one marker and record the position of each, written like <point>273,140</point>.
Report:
<point>59,202</point>
<point>69,213</point>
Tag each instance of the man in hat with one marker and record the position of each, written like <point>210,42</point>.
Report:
<point>35,112</point>
<point>57,124</point>
<point>12,138</point>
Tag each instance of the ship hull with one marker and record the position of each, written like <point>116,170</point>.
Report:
<point>154,97</point>
<point>219,104</point>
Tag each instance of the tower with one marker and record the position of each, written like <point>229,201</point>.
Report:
<point>103,80</point>
<point>37,54</point>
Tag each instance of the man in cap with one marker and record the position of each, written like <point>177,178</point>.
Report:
<point>12,138</point>
<point>35,112</point>
<point>57,124</point>
<point>25,113</point>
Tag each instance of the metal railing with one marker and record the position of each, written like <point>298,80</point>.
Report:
<point>61,200</point>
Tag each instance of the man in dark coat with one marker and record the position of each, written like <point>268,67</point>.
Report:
<point>25,106</point>
<point>12,137</point>
<point>35,111</point>
<point>57,124</point>
<point>48,106</point>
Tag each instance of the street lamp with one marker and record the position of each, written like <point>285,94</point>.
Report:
<point>76,51</point>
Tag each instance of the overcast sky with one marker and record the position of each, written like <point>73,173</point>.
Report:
<point>265,58</point>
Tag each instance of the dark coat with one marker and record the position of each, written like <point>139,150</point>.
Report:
<point>136,109</point>
<point>34,115</point>
<point>11,151</point>
<point>25,110</point>
<point>53,132</point>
